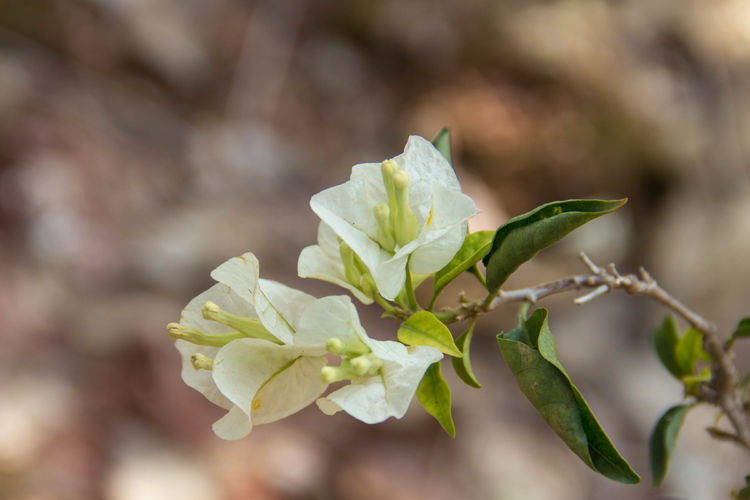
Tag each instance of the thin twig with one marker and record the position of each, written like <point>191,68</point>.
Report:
<point>720,391</point>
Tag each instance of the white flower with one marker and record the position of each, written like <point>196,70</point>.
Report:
<point>324,262</point>
<point>384,374</point>
<point>231,339</point>
<point>410,208</point>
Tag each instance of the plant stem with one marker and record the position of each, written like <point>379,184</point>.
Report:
<point>410,297</point>
<point>721,391</point>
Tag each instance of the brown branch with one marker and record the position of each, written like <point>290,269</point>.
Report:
<point>720,391</point>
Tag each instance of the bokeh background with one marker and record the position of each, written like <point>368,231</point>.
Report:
<point>144,142</point>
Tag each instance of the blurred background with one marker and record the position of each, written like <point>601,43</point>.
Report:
<point>142,143</point>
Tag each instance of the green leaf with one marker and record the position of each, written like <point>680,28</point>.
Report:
<point>519,239</point>
<point>663,439</point>
<point>423,328</point>
<point>462,366</point>
<point>531,354</point>
<point>435,395</point>
<point>442,142</point>
<point>744,493</point>
<point>689,350</point>
<point>743,329</point>
<point>666,338</point>
<point>473,249</point>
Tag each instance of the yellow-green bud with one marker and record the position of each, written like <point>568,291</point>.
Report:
<point>336,346</point>
<point>201,362</point>
<point>366,364</point>
<point>331,374</point>
<point>348,258</point>
<point>405,225</point>
<point>387,169</point>
<point>385,230</point>
<point>248,327</point>
<point>177,331</point>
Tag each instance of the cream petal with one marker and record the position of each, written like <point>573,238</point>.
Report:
<point>279,307</point>
<point>290,390</point>
<point>243,366</point>
<point>424,163</point>
<point>314,262</point>
<point>225,298</point>
<point>234,425</point>
<point>240,274</point>
<point>402,378</point>
<point>364,400</point>
<point>363,245</point>
<point>333,316</point>
<point>450,208</point>
<point>327,406</point>
<point>433,255</point>
<point>200,380</point>
<point>328,241</point>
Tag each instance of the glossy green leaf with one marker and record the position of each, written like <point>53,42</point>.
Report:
<point>475,246</point>
<point>434,394</point>
<point>423,328</point>
<point>689,350</point>
<point>462,365</point>
<point>442,142</point>
<point>665,340</point>
<point>519,239</point>
<point>531,354</point>
<point>743,329</point>
<point>679,354</point>
<point>663,439</point>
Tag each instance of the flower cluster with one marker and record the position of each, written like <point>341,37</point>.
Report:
<point>263,351</point>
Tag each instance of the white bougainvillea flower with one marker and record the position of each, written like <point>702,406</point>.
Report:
<point>384,374</point>
<point>410,208</point>
<point>233,339</point>
<point>333,262</point>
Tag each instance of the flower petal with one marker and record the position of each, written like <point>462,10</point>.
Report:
<point>315,263</point>
<point>200,380</point>
<point>364,400</point>
<point>234,425</point>
<point>225,298</point>
<point>333,316</point>
<point>240,274</point>
<point>242,367</point>
<point>279,307</point>
<point>290,390</point>
<point>402,377</point>
<point>437,248</point>
<point>424,163</point>
<point>268,381</point>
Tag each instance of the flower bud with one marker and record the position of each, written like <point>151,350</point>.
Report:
<point>177,331</point>
<point>248,327</point>
<point>201,362</point>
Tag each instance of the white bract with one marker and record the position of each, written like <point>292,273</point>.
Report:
<point>233,339</point>
<point>325,261</point>
<point>408,209</point>
<point>384,374</point>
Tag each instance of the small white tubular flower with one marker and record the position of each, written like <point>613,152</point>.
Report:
<point>324,262</point>
<point>265,382</point>
<point>384,374</point>
<point>410,206</point>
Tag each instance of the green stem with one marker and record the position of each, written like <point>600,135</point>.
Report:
<point>488,301</point>
<point>385,305</point>
<point>432,302</point>
<point>410,290</point>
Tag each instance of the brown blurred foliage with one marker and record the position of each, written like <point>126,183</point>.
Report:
<point>143,142</point>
